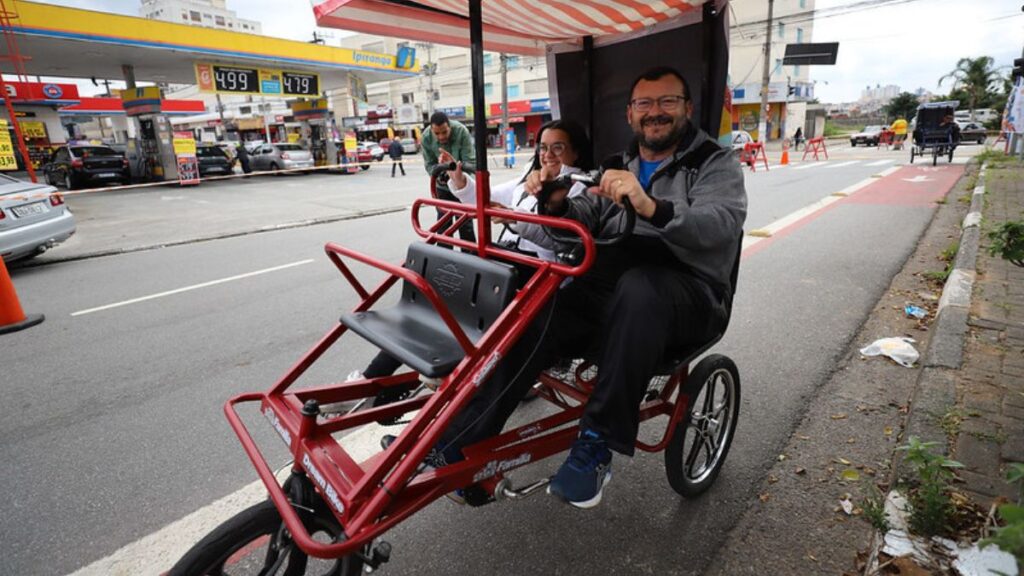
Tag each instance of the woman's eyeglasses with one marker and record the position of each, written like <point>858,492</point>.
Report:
<point>558,148</point>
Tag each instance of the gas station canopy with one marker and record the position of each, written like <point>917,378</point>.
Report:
<point>69,42</point>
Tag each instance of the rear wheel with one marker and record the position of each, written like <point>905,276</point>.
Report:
<point>256,542</point>
<point>275,168</point>
<point>69,182</point>
<point>701,441</point>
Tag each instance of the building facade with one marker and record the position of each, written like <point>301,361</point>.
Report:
<point>207,13</point>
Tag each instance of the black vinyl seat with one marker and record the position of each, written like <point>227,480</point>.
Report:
<point>474,289</point>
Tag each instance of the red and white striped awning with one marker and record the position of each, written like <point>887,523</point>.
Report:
<point>513,26</point>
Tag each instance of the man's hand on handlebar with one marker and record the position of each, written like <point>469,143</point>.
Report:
<point>618,184</point>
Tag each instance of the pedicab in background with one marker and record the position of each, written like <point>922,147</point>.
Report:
<point>930,135</point>
<point>460,312</point>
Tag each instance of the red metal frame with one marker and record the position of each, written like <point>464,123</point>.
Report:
<point>815,145</point>
<point>368,498</point>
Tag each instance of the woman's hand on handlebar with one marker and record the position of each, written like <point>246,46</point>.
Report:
<point>457,178</point>
<point>535,182</point>
<point>618,184</point>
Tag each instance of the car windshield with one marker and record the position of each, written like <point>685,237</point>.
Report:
<point>90,151</point>
<point>290,148</point>
<point>209,152</point>
<point>871,129</point>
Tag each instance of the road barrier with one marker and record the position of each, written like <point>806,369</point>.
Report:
<point>12,317</point>
<point>752,153</point>
<point>815,145</point>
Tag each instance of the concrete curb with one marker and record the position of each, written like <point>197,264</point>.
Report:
<point>221,236</point>
<point>935,390</point>
<point>947,344</point>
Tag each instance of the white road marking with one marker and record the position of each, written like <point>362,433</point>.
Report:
<point>155,553</point>
<point>193,287</point>
<point>808,165</point>
<point>879,163</point>
<point>841,164</point>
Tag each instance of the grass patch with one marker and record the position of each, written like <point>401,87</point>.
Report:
<point>949,254</point>
<point>951,421</point>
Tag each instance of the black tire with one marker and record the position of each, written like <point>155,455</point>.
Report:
<point>935,157</point>
<point>365,166</point>
<point>48,177</point>
<point>275,168</point>
<point>911,154</point>
<point>697,434</point>
<point>69,182</point>
<point>853,144</point>
<point>250,533</point>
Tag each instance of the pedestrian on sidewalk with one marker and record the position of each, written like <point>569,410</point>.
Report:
<point>798,138</point>
<point>395,152</point>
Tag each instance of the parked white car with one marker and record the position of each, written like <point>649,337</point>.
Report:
<point>33,219</point>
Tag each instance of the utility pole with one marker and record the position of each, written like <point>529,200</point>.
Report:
<point>504,106</point>
<point>429,69</point>
<point>762,123</point>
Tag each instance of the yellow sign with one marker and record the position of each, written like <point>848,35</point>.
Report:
<point>184,146</point>
<point>7,161</point>
<point>33,129</point>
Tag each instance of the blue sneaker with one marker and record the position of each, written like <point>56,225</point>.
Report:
<point>584,474</point>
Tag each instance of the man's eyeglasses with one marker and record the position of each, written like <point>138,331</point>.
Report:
<point>558,148</point>
<point>666,103</point>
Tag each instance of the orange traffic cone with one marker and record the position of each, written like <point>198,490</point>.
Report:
<point>12,318</point>
<point>785,157</point>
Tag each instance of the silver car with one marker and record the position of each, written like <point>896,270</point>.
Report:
<point>409,146</point>
<point>280,156</point>
<point>33,219</point>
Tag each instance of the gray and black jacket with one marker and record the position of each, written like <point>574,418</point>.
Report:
<point>701,207</point>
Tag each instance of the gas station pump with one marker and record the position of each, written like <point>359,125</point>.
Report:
<point>151,155</point>
<point>155,148</point>
<point>318,127</point>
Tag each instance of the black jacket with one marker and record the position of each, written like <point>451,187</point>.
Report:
<point>395,150</point>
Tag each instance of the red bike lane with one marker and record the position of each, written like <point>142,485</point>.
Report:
<point>908,186</point>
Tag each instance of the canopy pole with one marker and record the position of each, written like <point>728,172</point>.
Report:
<point>483,188</point>
<point>709,22</point>
<point>588,75</point>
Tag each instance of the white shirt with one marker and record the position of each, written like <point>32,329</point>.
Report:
<point>513,194</point>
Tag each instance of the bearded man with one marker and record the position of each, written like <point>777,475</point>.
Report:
<point>664,289</point>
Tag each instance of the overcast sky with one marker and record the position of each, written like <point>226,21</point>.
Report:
<point>910,45</point>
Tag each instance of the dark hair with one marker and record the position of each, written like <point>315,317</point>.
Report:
<point>577,138</point>
<point>659,72</point>
<point>438,118</point>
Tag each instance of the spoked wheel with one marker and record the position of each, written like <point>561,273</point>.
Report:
<point>256,542</point>
<point>701,441</point>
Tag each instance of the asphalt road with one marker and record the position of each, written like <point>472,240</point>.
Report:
<point>112,428</point>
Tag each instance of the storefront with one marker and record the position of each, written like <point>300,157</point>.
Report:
<point>525,117</point>
<point>36,107</point>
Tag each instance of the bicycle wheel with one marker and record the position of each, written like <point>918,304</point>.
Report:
<point>255,541</point>
<point>700,442</point>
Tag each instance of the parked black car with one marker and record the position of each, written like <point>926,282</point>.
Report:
<point>74,166</point>
<point>213,161</point>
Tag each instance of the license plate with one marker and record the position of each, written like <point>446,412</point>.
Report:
<point>107,175</point>
<point>28,209</point>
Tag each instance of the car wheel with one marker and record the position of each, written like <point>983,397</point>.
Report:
<point>68,182</point>
<point>853,144</point>
<point>49,178</point>
<point>274,168</point>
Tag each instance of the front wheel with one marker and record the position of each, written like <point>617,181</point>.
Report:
<point>701,441</point>
<point>911,155</point>
<point>256,542</point>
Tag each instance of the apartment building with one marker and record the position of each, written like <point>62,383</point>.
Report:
<point>207,13</point>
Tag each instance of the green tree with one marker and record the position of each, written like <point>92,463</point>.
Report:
<point>904,105</point>
<point>975,78</point>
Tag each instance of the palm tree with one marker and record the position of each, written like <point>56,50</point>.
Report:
<point>975,77</point>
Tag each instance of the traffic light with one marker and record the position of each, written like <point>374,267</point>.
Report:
<point>1018,68</point>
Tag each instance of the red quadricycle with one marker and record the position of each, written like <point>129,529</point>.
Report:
<point>464,304</point>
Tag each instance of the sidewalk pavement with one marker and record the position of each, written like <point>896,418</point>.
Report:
<point>972,399</point>
<point>967,393</point>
